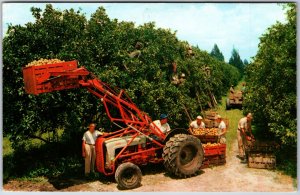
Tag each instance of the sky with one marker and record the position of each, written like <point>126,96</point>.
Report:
<point>229,25</point>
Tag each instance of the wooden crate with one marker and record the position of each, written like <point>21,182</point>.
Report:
<point>211,161</point>
<point>209,123</point>
<point>205,164</point>
<point>261,160</point>
<point>261,146</point>
<point>207,138</point>
<point>211,115</point>
<point>215,150</point>
<point>212,123</point>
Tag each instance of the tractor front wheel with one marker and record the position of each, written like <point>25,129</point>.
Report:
<point>128,176</point>
<point>183,155</point>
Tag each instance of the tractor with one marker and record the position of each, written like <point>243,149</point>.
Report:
<point>234,100</point>
<point>136,142</point>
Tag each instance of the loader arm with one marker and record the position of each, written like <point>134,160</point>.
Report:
<point>53,79</point>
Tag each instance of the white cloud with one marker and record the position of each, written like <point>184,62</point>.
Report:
<point>227,24</point>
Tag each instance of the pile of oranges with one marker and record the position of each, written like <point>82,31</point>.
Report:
<point>206,131</point>
<point>43,62</point>
<point>208,144</point>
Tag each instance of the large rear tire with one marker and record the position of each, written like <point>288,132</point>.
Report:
<point>128,176</point>
<point>183,155</point>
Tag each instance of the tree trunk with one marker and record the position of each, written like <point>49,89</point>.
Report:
<point>39,138</point>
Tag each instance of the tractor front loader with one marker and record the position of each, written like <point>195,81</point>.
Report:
<point>136,143</point>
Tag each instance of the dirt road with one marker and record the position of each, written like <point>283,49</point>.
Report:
<point>232,177</point>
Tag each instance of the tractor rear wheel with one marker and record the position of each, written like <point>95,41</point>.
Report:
<point>128,176</point>
<point>183,155</point>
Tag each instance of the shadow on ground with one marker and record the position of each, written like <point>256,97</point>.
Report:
<point>62,182</point>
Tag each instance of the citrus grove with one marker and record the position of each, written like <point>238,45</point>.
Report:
<point>143,60</point>
<point>107,48</point>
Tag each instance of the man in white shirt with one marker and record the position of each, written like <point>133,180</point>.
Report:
<point>222,129</point>
<point>198,123</point>
<point>244,129</point>
<point>88,148</point>
<point>162,123</point>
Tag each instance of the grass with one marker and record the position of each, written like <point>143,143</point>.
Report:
<point>30,143</point>
<point>233,115</point>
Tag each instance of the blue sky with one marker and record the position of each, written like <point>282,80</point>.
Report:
<point>237,25</point>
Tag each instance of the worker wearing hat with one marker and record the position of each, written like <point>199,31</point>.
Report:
<point>244,130</point>
<point>162,123</point>
<point>221,130</point>
<point>197,124</point>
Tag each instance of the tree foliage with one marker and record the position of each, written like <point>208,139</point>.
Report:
<point>102,45</point>
<point>271,81</point>
<point>236,60</point>
<point>216,53</point>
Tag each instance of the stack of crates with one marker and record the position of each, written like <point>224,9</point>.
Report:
<point>214,152</point>
<point>261,155</point>
<point>214,155</point>
<point>210,119</point>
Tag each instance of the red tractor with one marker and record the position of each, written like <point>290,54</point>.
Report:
<point>136,143</point>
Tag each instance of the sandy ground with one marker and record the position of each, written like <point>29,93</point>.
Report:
<point>231,177</point>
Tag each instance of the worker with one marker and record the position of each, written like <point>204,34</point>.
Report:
<point>88,148</point>
<point>243,87</point>
<point>231,89</point>
<point>182,78</point>
<point>174,75</point>
<point>244,129</point>
<point>222,129</point>
<point>136,53</point>
<point>190,51</point>
<point>138,45</point>
<point>175,80</point>
<point>174,67</point>
<point>197,124</point>
<point>162,123</point>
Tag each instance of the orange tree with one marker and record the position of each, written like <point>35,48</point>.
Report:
<point>271,84</point>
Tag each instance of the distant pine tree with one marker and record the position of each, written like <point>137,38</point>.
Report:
<point>236,61</point>
<point>246,62</point>
<point>216,53</point>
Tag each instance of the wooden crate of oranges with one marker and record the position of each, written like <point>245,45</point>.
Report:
<point>206,135</point>
<point>212,149</point>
